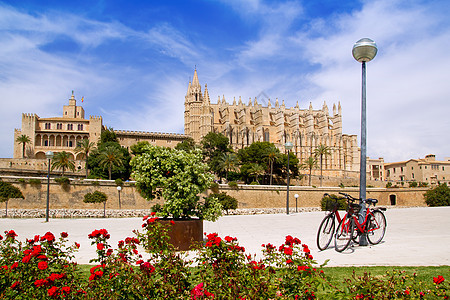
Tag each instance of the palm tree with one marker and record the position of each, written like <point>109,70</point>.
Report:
<point>110,157</point>
<point>310,163</point>
<point>23,139</point>
<point>320,152</point>
<point>228,162</point>
<point>272,154</point>
<point>85,147</point>
<point>256,170</point>
<point>61,160</point>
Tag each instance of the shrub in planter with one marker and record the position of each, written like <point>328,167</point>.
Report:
<point>63,181</point>
<point>21,180</point>
<point>439,196</point>
<point>97,197</point>
<point>118,182</point>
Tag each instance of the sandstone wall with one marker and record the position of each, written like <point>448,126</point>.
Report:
<point>249,196</point>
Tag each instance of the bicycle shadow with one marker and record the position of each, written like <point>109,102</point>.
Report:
<point>353,247</point>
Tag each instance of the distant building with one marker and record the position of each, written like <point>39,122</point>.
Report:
<point>426,169</point>
<point>244,124</point>
<point>375,169</point>
<point>63,133</point>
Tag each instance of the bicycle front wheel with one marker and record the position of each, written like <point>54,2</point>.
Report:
<point>376,227</point>
<point>325,233</point>
<point>344,234</point>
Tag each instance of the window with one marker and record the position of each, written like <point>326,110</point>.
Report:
<point>442,168</point>
<point>58,126</point>
<point>48,126</point>
<point>70,144</point>
<point>401,169</point>
<point>69,126</point>
<point>413,175</point>
<point>46,143</point>
<point>80,126</point>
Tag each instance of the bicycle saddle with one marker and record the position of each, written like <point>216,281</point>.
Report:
<point>371,200</point>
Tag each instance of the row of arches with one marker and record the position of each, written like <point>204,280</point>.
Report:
<point>72,156</point>
<point>58,140</point>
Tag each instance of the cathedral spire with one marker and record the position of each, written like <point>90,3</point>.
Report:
<point>206,94</point>
<point>195,81</point>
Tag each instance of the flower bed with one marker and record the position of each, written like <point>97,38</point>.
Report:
<point>43,268</point>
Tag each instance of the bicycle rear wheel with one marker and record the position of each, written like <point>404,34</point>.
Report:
<point>344,234</point>
<point>325,233</point>
<point>376,227</point>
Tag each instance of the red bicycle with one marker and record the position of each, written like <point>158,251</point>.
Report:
<point>327,226</point>
<point>374,224</point>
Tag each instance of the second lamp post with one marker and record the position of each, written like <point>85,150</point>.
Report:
<point>288,147</point>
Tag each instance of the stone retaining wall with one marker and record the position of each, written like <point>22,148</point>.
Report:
<point>71,197</point>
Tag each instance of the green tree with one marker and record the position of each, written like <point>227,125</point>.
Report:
<point>438,196</point>
<point>310,164</point>
<point>99,170</point>
<point>8,191</point>
<point>177,176</point>
<point>108,135</point>
<point>62,161</point>
<point>256,170</point>
<point>320,152</point>
<point>272,154</point>
<point>24,140</point>
<point>213,146</point>
<point>111,157</point>
<point>264,154</point>
<point>138,148</point>
<point>84,147</point>
<point>228,162</point>
<point>186,145</point>
<point>97,197</point>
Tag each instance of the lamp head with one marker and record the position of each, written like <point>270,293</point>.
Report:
<point>49,154</point>
<point>288,146</point>
<point>364,50</point>
<point>119,188</point>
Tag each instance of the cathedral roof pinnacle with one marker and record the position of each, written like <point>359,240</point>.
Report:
<point>276,103</point>
<point>296,106</point>
<point>240,101</point>
<point>268,103</point>
<point>195,81</point>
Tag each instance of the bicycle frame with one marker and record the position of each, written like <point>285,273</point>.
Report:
<point>361,227</point>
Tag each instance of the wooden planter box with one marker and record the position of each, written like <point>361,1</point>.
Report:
<point>184,233</point>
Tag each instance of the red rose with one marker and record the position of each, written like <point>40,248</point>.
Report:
<point>77,245</point>
<point>64,234</point>
<point>26,259</point>
<point>100,246</point>
<point>439,279</point>
<point>65,289</point>
<point>42,265</point>
<point>53,291</point>
<point>14,265</point>
<point>11,234</point>
<point>15,284</point>
<point>172,222</point>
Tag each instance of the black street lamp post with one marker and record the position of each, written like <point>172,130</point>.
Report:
<point>49,156</point>
<point>288,147</point>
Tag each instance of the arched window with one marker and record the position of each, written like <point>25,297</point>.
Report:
<point>69,126</point>
<point>80,126</point>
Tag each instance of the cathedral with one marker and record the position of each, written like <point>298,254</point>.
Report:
<point>244,124</point>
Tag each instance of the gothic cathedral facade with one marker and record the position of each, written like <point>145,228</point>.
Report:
<point>244,124</point>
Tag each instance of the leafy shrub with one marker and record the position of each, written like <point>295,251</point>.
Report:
<point>214,187</point>
<point>21,180</point>
<point>35,181</point>
<point>233,185</point>
<point>95,183</point>
<point>227,201</point>
<point>423,184</point>
<point>389,184</point>
<point>439,196</point>
<point>328,202</point>
<point>62,180</point>
<point>118,182</point>
<point>254,183</point>
<point>413,184</point>
<point>95,197</point>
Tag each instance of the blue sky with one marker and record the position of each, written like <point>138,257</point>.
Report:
<point>132,61</point>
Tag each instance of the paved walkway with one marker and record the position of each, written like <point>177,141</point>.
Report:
<point>414,236</point>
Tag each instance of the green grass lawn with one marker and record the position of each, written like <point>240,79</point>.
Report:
<point>337,275</point>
